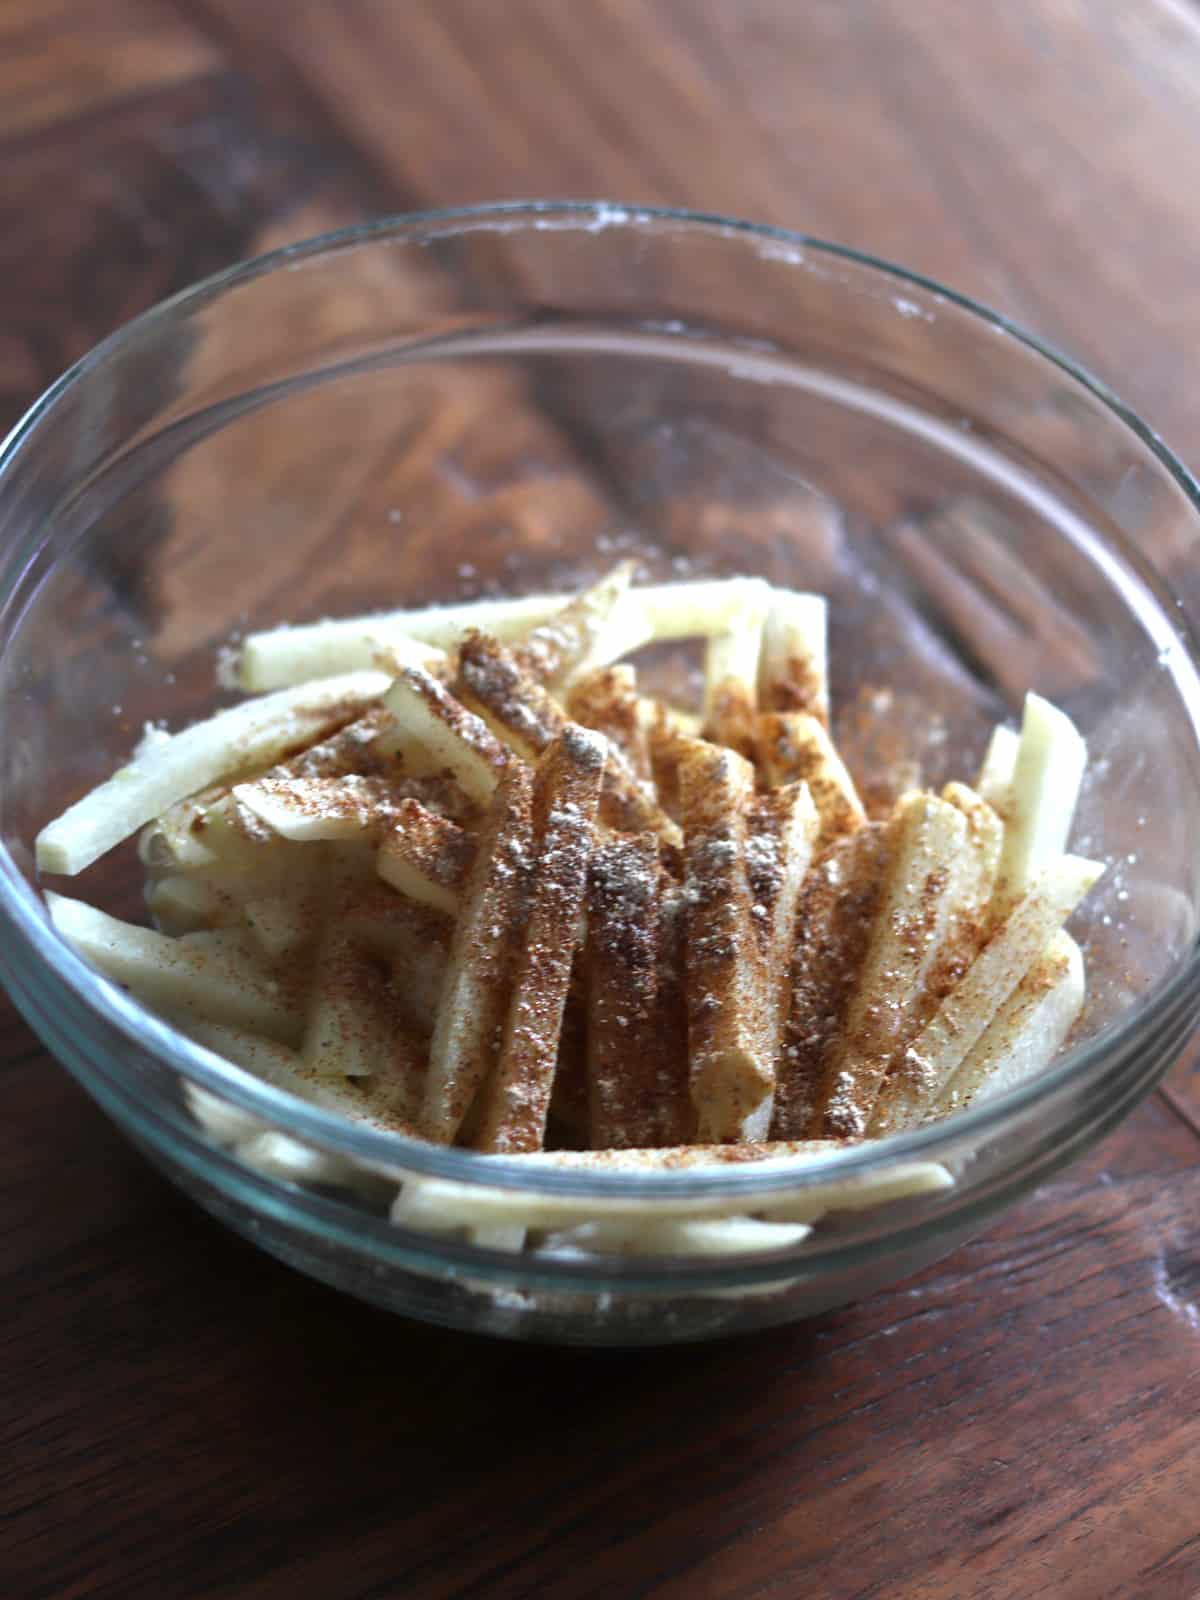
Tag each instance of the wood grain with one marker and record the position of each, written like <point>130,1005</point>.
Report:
<point>194,1419</point>
<point>180,1416</point>
<point>62,60</point>
<point>1050,200</point>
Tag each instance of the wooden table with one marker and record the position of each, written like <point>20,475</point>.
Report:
<point>180,1416</point>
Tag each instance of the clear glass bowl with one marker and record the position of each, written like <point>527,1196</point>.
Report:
<point>504,400</point>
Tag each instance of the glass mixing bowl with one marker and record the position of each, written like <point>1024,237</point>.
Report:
<point>507,399</point>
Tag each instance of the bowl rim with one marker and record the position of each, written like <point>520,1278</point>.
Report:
<point>24,913</point>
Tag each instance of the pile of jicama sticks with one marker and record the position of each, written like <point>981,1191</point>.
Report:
<point>474,884</point>
<point>450,872</point>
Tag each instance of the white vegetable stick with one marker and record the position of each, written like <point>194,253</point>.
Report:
<point>308,810</point>
<point>779,851</point>
<point>315,810</point>
<point>525,716</point>
<point>931,1059</point>
<point>228,1125</point>
<point>793,668</point>
<point>285,656</point>
<point>566,797</point>
<point>397,653</point>
<point>700,608</point>
<point>426,857</point>
<point>254,733</point>
<point>266,1058</point>
<point>211,835</point>
<point>486,936</point>
<point>418,1207</point>
<point>732,1075</point>
<point>793,747</point>
<point>636,1044</point>
<point>833,927</point>
<point>607,700</point>
<point>994,783</point>
<point>440,1204</point>
<point>680,1157</point>
<point>279,1156</point>
<point>426,711</point>
<point>282,924</point>
<point>288,656</point>
<point>985,840</point>
<point>170,844</point>
<point>386,1102</point>
<point>731,674</point>
<point>180,904</point>
<point>859,1193</point>
<point>350,1030</point>
<point>1045,786</point>
<point>977,868</point>
<point>228,945</point>
<point>171,974</point>
<point>597,627</point>
<point>444,1205</point>
<point>498,1237</point>
<point>1026,1033</point>
<point>909,929</point>
<point>650,1235</point>
<point>521,712</point>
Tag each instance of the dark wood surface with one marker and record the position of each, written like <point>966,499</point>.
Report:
<point>178,1415</point>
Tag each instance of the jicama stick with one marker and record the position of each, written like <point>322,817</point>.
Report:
<point>731,1073</point>
<point>595,628</point>
<point>255,733</point>
<point>731,676</point>
<point>970,917</point>
<point>410,938</point>
<point>566,799</point>
<point>780,836</point>
<point>311,810</point>
<point>681,1157</point>
<point>287,1160</point>
<point>426,857</point>
<point>285,656</point>
<point>608,701</point>
<point>179,903</point>
<point>1045,786</point>
<point>651,1235</point>
<point>833,928</point>
<point>915,907</point>
<point>387,1101</point>
<point>426,711</point>
<point>418,1207</point>
<point>994,783</point>
<point>636,1048</point>
<point>985,841</point>
<point>350,1028</point>
<point>266,1058</point>
<point>444,1204</point>
<point>794,747</point>
<point>526,718</point>
<point>482,954</point>
<point>173,975</point>
<point>793,672</point>
<point>931,1059</point>
<point>285,924</point>
<point>211,836</point>
<point>1026,1032</point>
